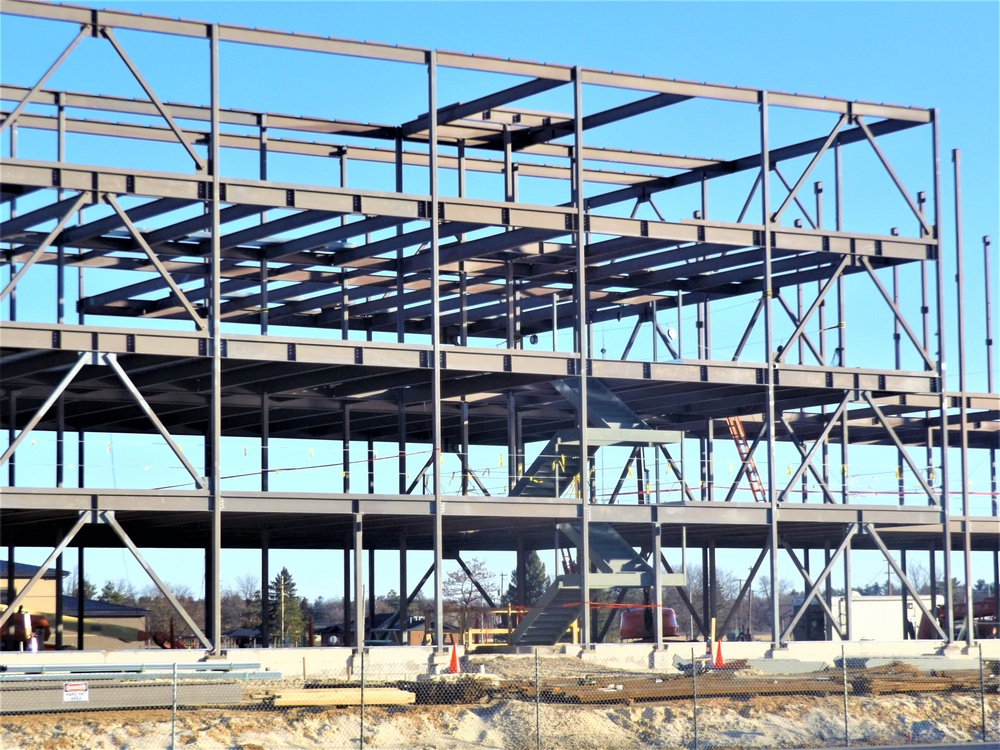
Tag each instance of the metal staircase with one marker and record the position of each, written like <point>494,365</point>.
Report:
<point>615,564</point>
<point>557,468</point>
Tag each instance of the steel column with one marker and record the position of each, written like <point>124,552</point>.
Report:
<point>402,618</point>
<point>436,452</point>
<point>654,560</point>
<point>359,586</point>
<point>80,594</point>
<point>943,392</point>
<point>769,358</point>
<point>970,626</point>
<point>265,589</point>
<point>213,586</point>
<point>582,350</point>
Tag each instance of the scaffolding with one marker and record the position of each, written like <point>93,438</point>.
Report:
<point>430,310</point>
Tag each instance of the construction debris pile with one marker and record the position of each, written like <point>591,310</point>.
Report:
<point>534,703</point>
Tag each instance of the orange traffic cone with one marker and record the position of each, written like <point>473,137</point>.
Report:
<point>453,668</point>
<point>717,661</point>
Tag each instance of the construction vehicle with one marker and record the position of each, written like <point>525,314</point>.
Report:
<point>983,614</point>
<point>637,624</point>
<point>23,629</point>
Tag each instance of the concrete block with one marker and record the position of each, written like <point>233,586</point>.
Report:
<point>661,660</point>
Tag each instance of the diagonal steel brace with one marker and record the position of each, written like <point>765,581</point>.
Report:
<point>799,327</point>
<point>931,495</point>
<point>805,575</point>
<point>677,472</point>
<point>870,531</point>
<point>892,173</point>
<point>37,253</point>
<point>141,241</point>
<point>475,582</point>
<point>112,361</point>
<point>44,408</point>
<point>776,216</point>
<point>803,209</point>
<point>108,517</point>
<point>807,457</point>
<point>12,117</point>
<point>813,308</point>
<point>895,311</point>
<point>685,599</point>
<point>851,531</point>
<point>107,34</point>
<point>743,466</point>
<point>12,606</point>
<point>746,587</point>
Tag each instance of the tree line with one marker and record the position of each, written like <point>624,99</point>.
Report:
<point>289,614</point>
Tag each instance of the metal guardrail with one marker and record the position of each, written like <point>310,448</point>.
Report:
<point>104,669</point>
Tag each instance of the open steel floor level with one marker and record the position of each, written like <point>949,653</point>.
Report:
<point>500,276</point>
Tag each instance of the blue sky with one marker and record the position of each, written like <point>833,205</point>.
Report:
<point>942,55</point>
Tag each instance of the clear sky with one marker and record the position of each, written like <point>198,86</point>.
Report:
<point>926,54</point>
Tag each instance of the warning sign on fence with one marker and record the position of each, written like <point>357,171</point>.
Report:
<point>75,691</point>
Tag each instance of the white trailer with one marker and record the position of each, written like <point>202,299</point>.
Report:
<point>875,618</point>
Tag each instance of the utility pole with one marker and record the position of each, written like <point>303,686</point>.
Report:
<point>739,588</point>
<point>282,610</point>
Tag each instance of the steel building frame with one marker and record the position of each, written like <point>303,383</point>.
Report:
<point>404,318</point>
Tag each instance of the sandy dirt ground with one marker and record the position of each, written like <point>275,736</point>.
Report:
<point>782,722</point>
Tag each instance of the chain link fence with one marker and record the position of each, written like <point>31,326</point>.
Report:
<point>681,697</point>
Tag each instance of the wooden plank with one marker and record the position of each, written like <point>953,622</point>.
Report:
<point>344,697</point>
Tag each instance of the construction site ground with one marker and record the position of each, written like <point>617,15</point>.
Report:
<point>781,722</point>
<point>585,706</point>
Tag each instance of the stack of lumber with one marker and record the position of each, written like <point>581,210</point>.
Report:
<point>343,696</point>
<point>905,678</point>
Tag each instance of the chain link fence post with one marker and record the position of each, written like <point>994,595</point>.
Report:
<point>694,696</point>
<point>843,671</point>
<point>538,707</point>
<point>361,739</point>
<point>982,692</point>
<point>173,710</point>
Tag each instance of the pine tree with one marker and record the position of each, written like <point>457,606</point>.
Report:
<point>287,621</point>
<point>536,581</point>
<point>72,584</point>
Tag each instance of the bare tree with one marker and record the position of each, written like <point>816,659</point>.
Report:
<point>462,594</point>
